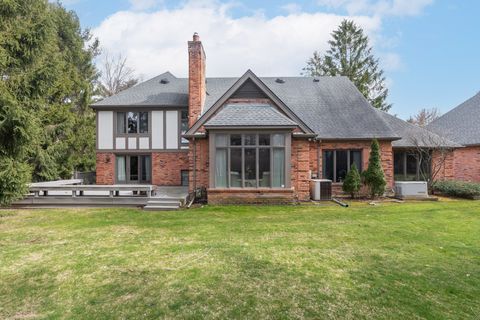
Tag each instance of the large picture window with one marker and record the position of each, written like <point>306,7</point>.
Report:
<point>250,160</point>
<point>337,163</point>
<point>408,166</point>
<point>132,122</point>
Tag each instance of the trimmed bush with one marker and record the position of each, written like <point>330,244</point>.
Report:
<point>460,189</point>
<point>352,182</point>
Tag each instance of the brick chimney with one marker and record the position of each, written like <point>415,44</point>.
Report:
<point>196,79</point>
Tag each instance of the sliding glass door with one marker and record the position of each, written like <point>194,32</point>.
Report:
<point>133,169</point>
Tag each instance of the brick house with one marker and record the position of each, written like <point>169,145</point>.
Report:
<point>462,125</point>
<point>247,139</point>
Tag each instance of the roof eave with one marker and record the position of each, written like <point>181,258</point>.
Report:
<point>359,138</point>
<point>126,106</point>
<point>256,127</point>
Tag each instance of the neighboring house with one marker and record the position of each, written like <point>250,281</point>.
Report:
<point>462,125</point>
<point>247,139</point>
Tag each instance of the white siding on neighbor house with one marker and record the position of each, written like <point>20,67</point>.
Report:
<point>120,143</point>
<point>105,129</point>
<point>132,143</point>
<point>143,143</point>
<point>172,129</point>
<point>157,129</point>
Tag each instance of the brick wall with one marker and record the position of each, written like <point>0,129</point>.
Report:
<point>196,79</point>
<point>200,147</point>
<point>300,172</point>
<point>443,164</point>
<point>105,168</point>
<point>466,163</point>
<point>250,196</point>
<point>167,167</point>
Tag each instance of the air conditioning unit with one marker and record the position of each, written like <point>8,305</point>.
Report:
<point>411,189</point>
<point>321,189</point>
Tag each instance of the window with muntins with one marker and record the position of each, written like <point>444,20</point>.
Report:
<point>132,122</point>
<point>250,160</point>
<point>337,163</point>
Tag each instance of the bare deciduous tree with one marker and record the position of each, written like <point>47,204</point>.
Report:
<point>115,76</point>
<point>425,116</point>
<point>432,152</point>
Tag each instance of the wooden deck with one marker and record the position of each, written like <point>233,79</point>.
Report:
<point>55,196</point>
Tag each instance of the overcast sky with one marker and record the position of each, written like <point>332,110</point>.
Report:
<point>429,49</point>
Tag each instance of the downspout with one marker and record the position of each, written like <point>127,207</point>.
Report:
<point>194,164</point>
<point>319,154</point>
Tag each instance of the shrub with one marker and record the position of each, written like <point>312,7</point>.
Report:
<point>374,176</point>
<point>460,189</point>
<point>352,182</point>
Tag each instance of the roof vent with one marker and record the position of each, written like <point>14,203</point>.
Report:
<point>316,80</point>
<point>164,81</point>
<point>279,80</point>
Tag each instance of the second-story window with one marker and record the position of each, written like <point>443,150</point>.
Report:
<point>184,125</point>
<point>132,122</point>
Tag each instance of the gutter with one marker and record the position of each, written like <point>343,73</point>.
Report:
<point>193,136</point>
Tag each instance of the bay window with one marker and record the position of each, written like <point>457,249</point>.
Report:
<point>250,160</point>
<point>337,163</point>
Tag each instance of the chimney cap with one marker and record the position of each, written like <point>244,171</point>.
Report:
<point>196,37</point>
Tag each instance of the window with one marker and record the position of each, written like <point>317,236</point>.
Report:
<point>184,178</point>
<point>409,166</point>
<point>121,126</point>
<point>337,163</point>
<point>132,122</point>
<point>133,169</point>
<point>184,125</point>
<point>250,160</point>
<point>143,122</point>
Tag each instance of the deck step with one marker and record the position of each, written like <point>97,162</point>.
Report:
<point>160,207</point>
<point>160,204</point>
<point>164,202</point>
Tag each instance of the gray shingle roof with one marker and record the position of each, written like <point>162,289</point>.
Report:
<point>461,124</point>
<point>331,106</point>
<point>151,93</point>
<point>413,135</point>
<point>249,115</point>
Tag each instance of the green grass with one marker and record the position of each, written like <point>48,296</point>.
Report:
<point>392,261</point>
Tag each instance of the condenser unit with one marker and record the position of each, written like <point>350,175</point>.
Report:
<point>321,189</point>
<point>411,189</point>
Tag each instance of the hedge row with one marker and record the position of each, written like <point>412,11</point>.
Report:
<point>458,189</point>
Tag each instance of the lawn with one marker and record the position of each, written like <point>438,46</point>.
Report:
<point>391,261</point>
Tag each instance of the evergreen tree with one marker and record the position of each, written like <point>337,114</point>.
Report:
<point>352,182</point>
<point>374,176</point>
<point>47,68</point>
<point>350,55</point>
<point>17,134</point>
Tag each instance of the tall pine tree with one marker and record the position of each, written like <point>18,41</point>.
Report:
<point>46,78</point>
<point>47,68</point>
<point>350,55</point>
